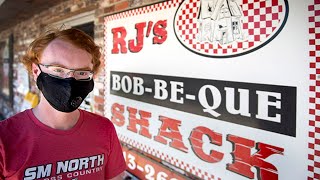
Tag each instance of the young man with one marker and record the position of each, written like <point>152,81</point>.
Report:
<point>56,140</point>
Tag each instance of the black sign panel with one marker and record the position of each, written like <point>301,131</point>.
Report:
<point>261,106</point>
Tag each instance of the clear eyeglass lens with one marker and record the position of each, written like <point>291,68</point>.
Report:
<point>64,73</point>
<point>82,75</point>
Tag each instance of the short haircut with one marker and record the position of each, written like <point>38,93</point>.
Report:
<point>74,36</point>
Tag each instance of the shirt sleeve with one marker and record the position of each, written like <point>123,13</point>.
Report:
<point>115,162</point>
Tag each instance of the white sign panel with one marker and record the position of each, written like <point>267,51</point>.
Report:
<point>222,89</point>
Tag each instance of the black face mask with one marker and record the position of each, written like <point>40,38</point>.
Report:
<point>64,95</point>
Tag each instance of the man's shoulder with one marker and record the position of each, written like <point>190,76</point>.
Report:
<point>93,115</point>
<point>16,119</point>
<point>96,118</point>
<point>101,125</point>
<point>14,125</point>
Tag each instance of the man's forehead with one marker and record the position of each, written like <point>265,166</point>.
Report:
<point>63,53</point>
<point>60,44</point>
<point>64,48</point>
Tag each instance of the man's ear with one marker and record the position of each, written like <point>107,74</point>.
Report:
<point>35,71</point>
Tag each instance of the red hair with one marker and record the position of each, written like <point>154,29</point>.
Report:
<point>74,36</point>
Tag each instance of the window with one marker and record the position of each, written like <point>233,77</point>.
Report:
<point>87,28</point>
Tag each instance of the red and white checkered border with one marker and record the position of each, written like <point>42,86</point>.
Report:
<point>260,20</point>
<point>144,10</point>
<point>176,162</point>
<point>314,91</point>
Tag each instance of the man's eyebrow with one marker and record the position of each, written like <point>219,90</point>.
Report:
<point>84,69</point>
<point>62,66</point>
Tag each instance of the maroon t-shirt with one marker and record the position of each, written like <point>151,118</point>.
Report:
<point>31,150</point>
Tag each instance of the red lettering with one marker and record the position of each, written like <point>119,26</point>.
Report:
<point>197,144</point>
<point>143,122</point>
<point>117,114</point>
<point>170,129</point>
<point>160,32</point>
<point>119,35</point>
<point>140,35</point>
<point>243,160</point>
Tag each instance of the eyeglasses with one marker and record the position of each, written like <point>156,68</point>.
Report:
<point>60,72</point>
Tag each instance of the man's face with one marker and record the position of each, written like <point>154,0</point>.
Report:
<point>66,55</point>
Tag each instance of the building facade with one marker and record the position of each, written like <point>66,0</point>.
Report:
<point>18,90</point>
